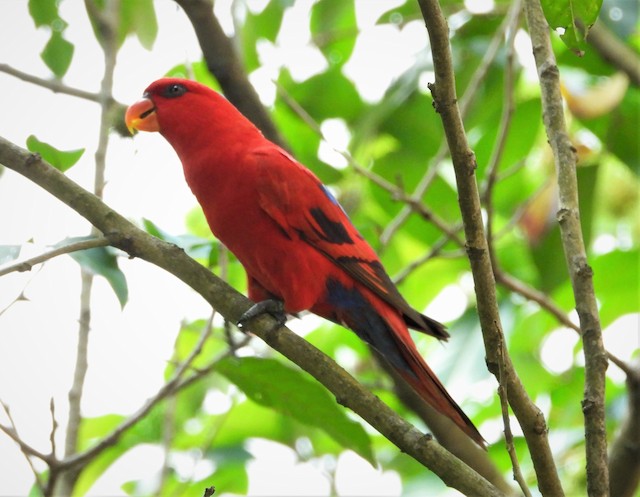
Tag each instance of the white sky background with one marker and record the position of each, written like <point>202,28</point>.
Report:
<point>129,348</point>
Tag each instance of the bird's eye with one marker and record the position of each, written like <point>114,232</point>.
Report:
<point>175,90</point>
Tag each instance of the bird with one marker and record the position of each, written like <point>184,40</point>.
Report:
<point>299,248</point>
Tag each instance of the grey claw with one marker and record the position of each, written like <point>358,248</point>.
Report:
<point>269,306</point>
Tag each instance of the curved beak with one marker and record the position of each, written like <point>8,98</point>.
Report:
<point>142,116</point>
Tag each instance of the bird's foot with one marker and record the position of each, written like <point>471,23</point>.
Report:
<point>270,306</point>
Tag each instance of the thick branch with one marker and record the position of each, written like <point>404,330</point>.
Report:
<point>224,63</point>
<point>231,305</point>
<point>581,274</point>
<point>624,458</point>
<point>445,101</point>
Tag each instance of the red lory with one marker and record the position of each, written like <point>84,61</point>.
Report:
<point>296,243</point>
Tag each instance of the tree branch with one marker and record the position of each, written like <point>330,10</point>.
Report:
<point>445,102</point>
<point>175,384</point>
<point>232,304</point>
<point>509,24</point>
<point>624,458</point>
<point>56,86</point>
<point>580,272</point>
<point>614,51</point>
<point>27,450</point>
<point>65,249</point>
<point>108,20</point>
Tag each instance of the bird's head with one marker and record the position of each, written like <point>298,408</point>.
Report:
<point>169,102</point>
<point>191,116</point>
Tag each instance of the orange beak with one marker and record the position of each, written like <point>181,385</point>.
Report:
<point>142,116</point>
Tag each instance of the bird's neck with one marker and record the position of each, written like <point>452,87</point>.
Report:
<point>213,156</point>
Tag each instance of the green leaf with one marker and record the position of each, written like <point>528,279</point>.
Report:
<point>574,16</point>
<point>622,136</point>
<point>615,278</point>
<point>195,70</point>
<point>60,159</point>
<point>230,475</point>
<point>342,101</point>
<point>186,342</point>
<point>139,17</point>
<point>399,16</point>
<point>264,25</point>
<point>292,393</point>
<point>57,54</point>
<point>196,246</point>
<point>43,12</point>
<point>618,130</point>
<point>334,29</point>
<point>103,262</point>
<point>136,17</point>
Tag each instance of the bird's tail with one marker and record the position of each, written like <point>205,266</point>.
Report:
<point>385,329</point>
<point>424,381</point>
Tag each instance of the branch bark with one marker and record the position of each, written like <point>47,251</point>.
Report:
<point>445,102</point>
<point>231,304</point>
<point>580,272</point>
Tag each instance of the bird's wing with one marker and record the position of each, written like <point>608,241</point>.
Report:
<point>303,207</point>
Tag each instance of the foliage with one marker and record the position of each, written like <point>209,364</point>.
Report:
<point>397,137</point>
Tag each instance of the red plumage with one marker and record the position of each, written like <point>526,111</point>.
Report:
<point>292,237</point>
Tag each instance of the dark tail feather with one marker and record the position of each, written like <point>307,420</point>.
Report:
<point>385,329</point>
<point>424,381</point>
<point>424,324</point>
<point>405,359</point>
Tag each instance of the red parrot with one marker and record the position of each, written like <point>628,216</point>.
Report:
<point>296,243</point>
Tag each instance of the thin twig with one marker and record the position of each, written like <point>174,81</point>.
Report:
<point>54,427</point>
<point>624,458</point>
<point>581,274</point>
<point>508,434</point>
<point>57,86</point>
<point>487,194</point>
<point>508,106</point>
<point>65,249</point>
<point>508,24</point>
<point>544,301</point>
<point>19,298</point>
<point>529,415</point>
<point>26,449</point>
<point>107,21</point>
<point>171,387</point>
<point>54,85</point>
<point>436,250</point>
